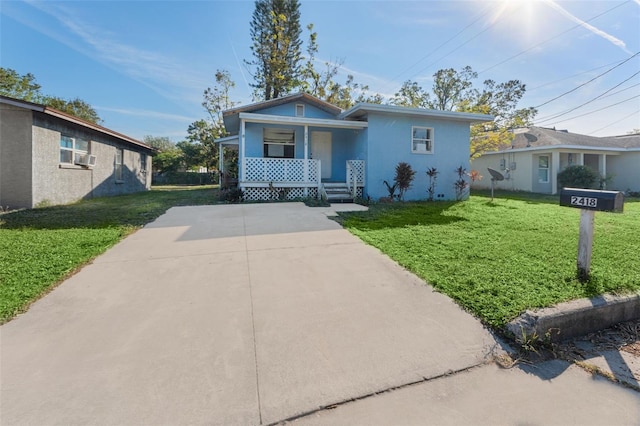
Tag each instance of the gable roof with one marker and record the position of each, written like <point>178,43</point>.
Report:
<point>74,120</point>
<point>361,110</point>
<point>325,106</point>
<point>541,137</point>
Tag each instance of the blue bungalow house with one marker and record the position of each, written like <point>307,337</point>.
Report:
<point>299,146</point>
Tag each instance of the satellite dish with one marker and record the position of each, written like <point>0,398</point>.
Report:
<point>495,176</point>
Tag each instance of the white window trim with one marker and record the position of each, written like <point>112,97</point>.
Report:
<point>116,164</point>
<point>74,151</point>
<point>431,130</point>
<point>548,168</point>
<point>293,144</point>
<point>296,111</point>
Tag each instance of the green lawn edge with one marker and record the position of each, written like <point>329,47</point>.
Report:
<point>499,258</point>
<point>41,247</point>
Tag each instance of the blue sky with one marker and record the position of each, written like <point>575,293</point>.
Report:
<point>145,64</point>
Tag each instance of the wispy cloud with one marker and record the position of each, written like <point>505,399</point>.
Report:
<point>165,75</point>
<point>148,114</point>
<point>615,41</point>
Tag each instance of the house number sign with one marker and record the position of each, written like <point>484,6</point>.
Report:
<point>584,201</point>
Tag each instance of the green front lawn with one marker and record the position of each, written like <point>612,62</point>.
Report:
<point>40,247</point>
<point>499,258</point>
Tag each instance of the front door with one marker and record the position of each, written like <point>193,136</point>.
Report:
<point>321,150</point>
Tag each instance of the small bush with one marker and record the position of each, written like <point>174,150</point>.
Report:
<point>578,177</point>
<point>231,195</point>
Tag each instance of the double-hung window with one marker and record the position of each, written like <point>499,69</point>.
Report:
<point>72,150</point>
<point>422,140</point>
<point>543,169</point>
<point>118,164</point>
<point>279,143</point>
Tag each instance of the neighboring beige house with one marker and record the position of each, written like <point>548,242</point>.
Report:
<point>49,157</point>
<point>537,154</point>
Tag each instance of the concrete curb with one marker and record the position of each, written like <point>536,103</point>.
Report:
<point>576,318</point>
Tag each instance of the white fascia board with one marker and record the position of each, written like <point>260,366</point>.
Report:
<point>563,147</point>
<point>229,140</point>
<point>432,113</point>
<point>301,121</point>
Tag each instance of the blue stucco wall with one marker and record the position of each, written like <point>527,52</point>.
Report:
<point>289,110</point>
<point>389,142</point>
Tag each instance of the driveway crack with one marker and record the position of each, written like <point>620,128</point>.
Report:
<point>253,321</point>
<point>345,401</point>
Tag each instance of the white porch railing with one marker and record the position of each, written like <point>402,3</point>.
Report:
<point>355,175</point>
<point>281,170</point>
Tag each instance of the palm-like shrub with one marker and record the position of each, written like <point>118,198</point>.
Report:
<point>404,176</point>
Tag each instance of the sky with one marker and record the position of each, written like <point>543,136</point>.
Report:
<point>144,65</point>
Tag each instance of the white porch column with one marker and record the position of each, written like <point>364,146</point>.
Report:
<point>580,159</point>
<point>220,161</point>
<point>306,159</point>
<point>306,142</point>
<point>241,159</point>
<point>555,168</point>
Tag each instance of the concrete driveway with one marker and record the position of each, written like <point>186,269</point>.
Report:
<point>257,314</point>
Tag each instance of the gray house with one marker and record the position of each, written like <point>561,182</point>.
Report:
<point>532,162</point>
<point>49,157</point>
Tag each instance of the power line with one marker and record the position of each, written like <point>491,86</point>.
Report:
<point>549,39</point>
<point>482,15</point>
<point>484,30</point>
<point>571,76</point>
<point>594,111</point>
<point>615,122</point>
<point>584,84</point>
<point>553,117</point>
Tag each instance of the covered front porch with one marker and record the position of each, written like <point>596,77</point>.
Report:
<point>285,158</point>
<point>558,160</point>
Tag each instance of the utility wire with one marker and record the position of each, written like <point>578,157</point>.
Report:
<point>553,117</point>
<point>484,30</point>
<point>594,111</point>
<point>549,39</point>
<point>584,84</point>
<point>571,76</point>
<point>482,15</point>
<point>615,122</point>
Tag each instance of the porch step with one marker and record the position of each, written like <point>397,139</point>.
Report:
<point>337,192</point>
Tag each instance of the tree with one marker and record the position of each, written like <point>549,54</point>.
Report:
<point>161,143</point>
<point>193,154</point>
<point>454,91</point>
<point>275,32</point>
<point>322,84</point>
<point>204,134</point>
<point>76,107</point>
<point>19,86</point>
<point>218,99</point>
<point>24,87</point>
<point>168,158</point>
<point>411,95</point>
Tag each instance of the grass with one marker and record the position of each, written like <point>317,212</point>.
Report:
<point>40,247</point>
<point>497,259</point>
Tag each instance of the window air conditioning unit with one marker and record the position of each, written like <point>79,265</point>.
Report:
<point>86,160</point>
